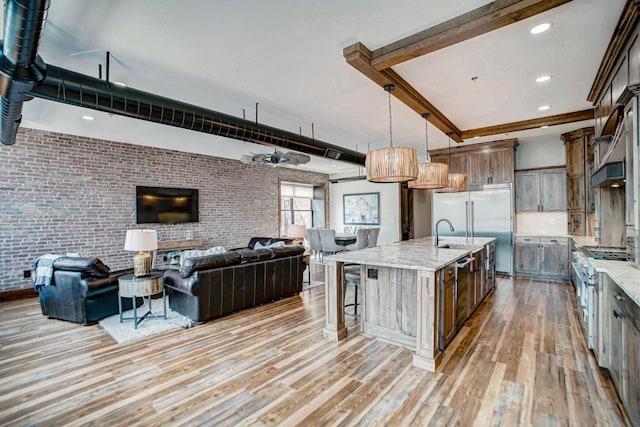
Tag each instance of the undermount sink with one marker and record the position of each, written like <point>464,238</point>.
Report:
<point>450,246</point>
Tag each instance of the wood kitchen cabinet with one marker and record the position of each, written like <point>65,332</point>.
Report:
<point>485,163</point>
<point>542,256</point>
<point>541,190</point>
<point>579,193</point>
<point>449,303</point>
<point>624,348</point>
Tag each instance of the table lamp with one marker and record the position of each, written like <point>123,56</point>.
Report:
<point>297,232</point>
<point>142,241</point>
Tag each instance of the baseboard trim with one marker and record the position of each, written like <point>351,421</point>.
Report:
<point>18,294</point>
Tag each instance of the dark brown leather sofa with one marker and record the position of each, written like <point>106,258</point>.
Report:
<point>82,290</point>
<point>213,286</point>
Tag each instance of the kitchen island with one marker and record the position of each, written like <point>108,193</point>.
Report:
<point>414,294</point>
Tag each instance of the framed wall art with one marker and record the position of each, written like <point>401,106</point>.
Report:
<point>361,209</point>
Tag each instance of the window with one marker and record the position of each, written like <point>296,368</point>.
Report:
<point>295,205</point>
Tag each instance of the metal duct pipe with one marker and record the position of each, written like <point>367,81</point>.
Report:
<point>77,89</point>
<point>20,67</point>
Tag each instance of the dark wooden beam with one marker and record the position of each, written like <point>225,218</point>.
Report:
<point>358,56</point>
<point>557,119</point>
<point>484,19</point>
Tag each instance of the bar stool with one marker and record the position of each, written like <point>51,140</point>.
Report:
<point>352,277</point>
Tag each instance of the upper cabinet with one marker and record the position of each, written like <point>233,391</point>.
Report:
<point>579,193</point>
<point>485,163</point>
<point>541,190</point>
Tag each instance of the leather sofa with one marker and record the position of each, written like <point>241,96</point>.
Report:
<point>82,290</point>
<point>213,286</point>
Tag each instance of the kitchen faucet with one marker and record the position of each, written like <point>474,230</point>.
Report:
<point>436,227</point>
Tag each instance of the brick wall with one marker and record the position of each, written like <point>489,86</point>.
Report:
<point>62,193</point>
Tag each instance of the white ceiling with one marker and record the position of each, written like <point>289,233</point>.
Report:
<point>287,56</point>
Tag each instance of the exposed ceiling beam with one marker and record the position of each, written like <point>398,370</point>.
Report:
<point>359,56</point>
<point>376,65</point>
<point>557,119</point>
<point>482,20</point>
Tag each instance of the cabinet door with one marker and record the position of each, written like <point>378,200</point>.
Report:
<point>553,190</point>
<point>449,313</point>
<point>575,156</point>
<point>480,168</point>
<point>527,192</point>
<point>615,345</point>
<point>577,223</point>
<point>502,166</point>
<point>575,192</point>
<point>527,258</point>
<point>458,164</point>
<point>632,359</point>
<point>555,257</point>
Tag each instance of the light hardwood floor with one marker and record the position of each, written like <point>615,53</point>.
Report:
<point>519,360</point>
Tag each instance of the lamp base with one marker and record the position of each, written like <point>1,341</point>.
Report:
<point>141,264</point>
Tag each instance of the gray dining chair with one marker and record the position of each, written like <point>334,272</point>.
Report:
<point>362,240</point>
<point>373,237</point>
<point>328,241</point>
<point>315,246</point>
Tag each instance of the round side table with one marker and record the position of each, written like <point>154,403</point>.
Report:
<point>130,286</point>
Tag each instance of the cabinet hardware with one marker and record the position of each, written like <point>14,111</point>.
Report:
<point>617,314</point>
<point>554,240</point>
<point>619,297</point>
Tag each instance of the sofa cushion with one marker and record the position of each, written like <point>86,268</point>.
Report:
<point>287,250</point>
<point>194,253</point>
<point>89,265</point>
<point>253,255</point>
<point>208,262</point>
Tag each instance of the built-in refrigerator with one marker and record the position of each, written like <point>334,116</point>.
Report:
<point>481,213</point>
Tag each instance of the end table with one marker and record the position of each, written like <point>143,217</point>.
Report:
<point>130,286</point>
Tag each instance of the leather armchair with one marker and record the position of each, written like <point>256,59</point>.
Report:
<point>81,293</point>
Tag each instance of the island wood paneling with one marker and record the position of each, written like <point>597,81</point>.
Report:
<point>520,359</point>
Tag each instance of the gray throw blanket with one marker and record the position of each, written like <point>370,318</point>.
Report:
<point>43,270</point>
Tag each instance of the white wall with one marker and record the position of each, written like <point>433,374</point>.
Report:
<point>540,223</point>
<point>540,152</point>
<point>389,206</point>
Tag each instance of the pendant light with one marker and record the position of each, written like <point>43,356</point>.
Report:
<point>430,175</point>
<point>391,164</point>
<point>456,181</point>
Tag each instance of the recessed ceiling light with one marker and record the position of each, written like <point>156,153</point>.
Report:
<point>544,127</point>
<point>88,118</point>
<point>476,137</point>
<point>543,79</point>
<point>543,107</point>
<point>538,29</point>
<point>120,84</point>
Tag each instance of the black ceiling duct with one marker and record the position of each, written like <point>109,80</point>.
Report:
<point>23,75</point>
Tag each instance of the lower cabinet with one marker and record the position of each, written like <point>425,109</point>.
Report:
<point>622,318</point>
<point>542,256</point>
<point>449,322</point>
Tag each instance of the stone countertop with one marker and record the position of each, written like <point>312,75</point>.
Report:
<point>623,273</point>
<point>584,240</point>
<point>418,254</point>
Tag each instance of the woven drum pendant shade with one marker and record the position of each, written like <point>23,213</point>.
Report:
<point>392,164</point>
<point>456,182</point>
<point>430,175</point>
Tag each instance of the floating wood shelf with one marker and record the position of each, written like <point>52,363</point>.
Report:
<point>175,245</point>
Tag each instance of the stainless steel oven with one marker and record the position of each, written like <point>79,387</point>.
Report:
<point>586,295</point>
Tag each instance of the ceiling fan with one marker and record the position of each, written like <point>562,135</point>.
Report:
<point>276,158</point>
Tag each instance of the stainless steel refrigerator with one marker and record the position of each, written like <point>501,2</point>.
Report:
<point>482,213</point>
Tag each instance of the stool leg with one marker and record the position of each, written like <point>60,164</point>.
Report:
<point>355,300</point>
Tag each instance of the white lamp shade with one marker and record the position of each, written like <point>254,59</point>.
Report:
<point>141,240</point>
<point>296,230</point>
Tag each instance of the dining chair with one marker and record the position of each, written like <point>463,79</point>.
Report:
<point>328,241</point>
<point>315,246</point>
<point>373,237</point>
<point>362,240</point>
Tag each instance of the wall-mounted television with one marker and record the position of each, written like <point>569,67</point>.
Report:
<point>166,205</point>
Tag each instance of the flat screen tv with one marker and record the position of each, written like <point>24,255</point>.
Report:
<point>166,205</point>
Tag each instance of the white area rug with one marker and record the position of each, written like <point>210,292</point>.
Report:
<point>125,332</point>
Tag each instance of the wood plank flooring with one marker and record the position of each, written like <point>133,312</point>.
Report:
<point>521,359</point>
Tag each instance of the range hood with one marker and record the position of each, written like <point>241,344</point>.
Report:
<point>611,152</point>
<point>611,174</point>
